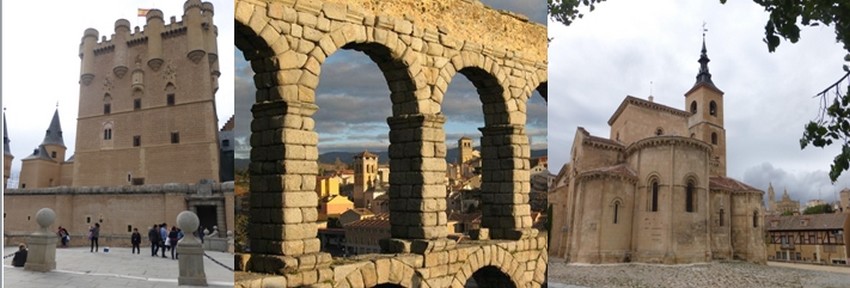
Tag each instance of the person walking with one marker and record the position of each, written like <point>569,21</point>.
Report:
<point>163,236</point>
<point>136,239</point>
<point>153,236</point>
<point>172,238</point>
<point>94,233</point>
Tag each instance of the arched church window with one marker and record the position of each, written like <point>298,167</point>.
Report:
<point>755,219</point>
<point>107,134</point>
<point>694,107</point>
<point>722,215</point>
<point>689,197</point>
<point>654,196</point>
<point>616,211</point>
<point>712,108</point>
<point>713,138</point>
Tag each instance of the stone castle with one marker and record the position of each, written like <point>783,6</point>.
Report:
<point>656,191</point>
<point>147,136</point>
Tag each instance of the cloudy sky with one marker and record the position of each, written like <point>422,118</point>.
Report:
<point>41,65</point>
<point>354,104</point>
<point>622,46</point>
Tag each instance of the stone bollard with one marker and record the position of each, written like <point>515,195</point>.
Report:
<point>42,244</point>
<point>191,261</point>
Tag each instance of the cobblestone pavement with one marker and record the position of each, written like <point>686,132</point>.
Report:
<point>715,274</point>
<point>77,267</point>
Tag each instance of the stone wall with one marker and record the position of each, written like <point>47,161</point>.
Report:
<point>117,209</point>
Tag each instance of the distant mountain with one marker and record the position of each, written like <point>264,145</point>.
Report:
<point>383,157</point>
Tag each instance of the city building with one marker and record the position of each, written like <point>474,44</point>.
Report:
<point>816,238</point>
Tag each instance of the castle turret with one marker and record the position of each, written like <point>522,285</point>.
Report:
<point>210,34</point>
<point>122,33</point>
<point>153,30</point>
<point>193,21</point>
<point>705,102</point>
<point>87,56</point>
<point>133,131</point>
<point>53,141</point>
<point>7,154</point>
<point>44,167</point>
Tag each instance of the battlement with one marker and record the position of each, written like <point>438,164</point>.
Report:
<point>173,28</point>
<point>195,28</point>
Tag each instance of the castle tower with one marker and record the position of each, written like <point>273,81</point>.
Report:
<point>705,102</point>
<point>844,200</point>
<point>771,199</point>
<point>158,125</point>
<point>365,174</point>
<point>7,154</point>
<point>43,168</point>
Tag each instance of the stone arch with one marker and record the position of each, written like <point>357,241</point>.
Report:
<point>382,273</point>
<point>495,256</point>
<point>488,77</point>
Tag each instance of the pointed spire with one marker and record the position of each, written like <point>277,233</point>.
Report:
<point>54,132</point>
<point>703,76</point>
<point>6,150</point>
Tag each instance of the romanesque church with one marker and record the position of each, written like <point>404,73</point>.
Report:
<point>656,190</point>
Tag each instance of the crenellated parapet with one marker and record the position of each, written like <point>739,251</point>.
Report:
<point>196,25</point>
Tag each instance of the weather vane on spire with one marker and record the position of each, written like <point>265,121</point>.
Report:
<point>704,29</point>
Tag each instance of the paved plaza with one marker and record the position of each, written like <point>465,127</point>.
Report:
<point>714,274</point>
<point>77,267</point>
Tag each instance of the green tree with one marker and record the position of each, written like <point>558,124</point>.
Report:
<point>818,209</point>
<point>832,125</point>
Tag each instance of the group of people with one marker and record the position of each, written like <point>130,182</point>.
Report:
<point>161,238</point>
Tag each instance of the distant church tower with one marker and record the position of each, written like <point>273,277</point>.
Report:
<point>147,110</point>
<point>771,199</point>
<point>43,168</point>
<point>365,174</point>
<point>464,145</point>
<point>7,154</point>
<point>705,102</point>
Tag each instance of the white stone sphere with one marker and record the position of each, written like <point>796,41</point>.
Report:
<point>45,217</point>
<point>188,222</point>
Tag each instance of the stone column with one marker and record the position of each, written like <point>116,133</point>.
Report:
<point>283,224</point>
<point>42,244</point>
<point>417,184</point>
<point>506,184</point>
<point>191,261</point>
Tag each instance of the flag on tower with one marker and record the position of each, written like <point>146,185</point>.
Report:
<point>143,12</point>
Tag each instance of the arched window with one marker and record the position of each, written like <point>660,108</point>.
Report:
<point>712,108</point>
<point>107,104</point>
<point>755,219</point>
<point>722,215</point>
<point>616,211</point>
<point>713,138</point>
<point>654,196</point>
<point>689,197</point>
<point>694,107</point>
<point>107,131</point>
